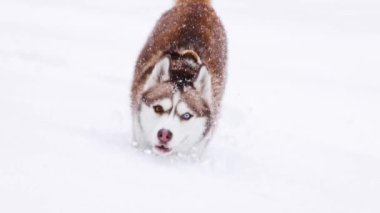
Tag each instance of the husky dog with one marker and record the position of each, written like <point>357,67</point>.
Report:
<point>179,80</point>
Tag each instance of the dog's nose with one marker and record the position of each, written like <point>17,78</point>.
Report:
<point>164,136</point>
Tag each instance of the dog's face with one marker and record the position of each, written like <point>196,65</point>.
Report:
<point>172,119</point>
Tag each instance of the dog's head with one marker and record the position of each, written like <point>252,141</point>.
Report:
<point>175,112</point>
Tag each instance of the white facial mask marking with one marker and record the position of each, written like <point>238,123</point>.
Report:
<point>165,103</point>
<point>185,133</point>
<point>182,109</point>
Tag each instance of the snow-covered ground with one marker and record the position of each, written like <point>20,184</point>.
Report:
<point>300,129</point>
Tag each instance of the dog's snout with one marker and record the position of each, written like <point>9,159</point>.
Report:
<point>164,136</point>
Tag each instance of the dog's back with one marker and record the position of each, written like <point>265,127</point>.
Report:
<point>190,25</point>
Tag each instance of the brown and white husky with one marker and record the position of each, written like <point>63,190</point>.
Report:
<point>179,80</point>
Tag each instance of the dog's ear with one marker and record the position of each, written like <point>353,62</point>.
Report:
<point>203,84</point>
<point>159,73</point>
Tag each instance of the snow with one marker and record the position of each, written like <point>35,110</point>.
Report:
<point>299,130</point>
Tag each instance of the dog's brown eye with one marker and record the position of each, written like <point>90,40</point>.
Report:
<point>186,116</point>
<point>158,109</point>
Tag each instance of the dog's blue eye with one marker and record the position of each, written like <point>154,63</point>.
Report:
<point>186,116</point>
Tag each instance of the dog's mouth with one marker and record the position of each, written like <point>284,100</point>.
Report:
<point>162,148</point>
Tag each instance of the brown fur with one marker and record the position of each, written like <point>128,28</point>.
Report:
<point>193,1</point>
<point>190,29</point>
<point>157,92</point>
<point>196,103</point>
<point>190,97</point>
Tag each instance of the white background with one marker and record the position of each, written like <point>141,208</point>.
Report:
<point>300,125</point>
